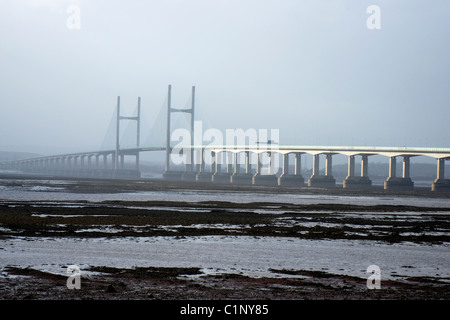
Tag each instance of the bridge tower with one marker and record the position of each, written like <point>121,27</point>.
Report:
<point>190,173</point>
<point>119,155</point>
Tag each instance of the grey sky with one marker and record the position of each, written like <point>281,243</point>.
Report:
<point>309,68</point>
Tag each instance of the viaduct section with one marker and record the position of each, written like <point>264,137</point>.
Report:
<point>237,166</point>
<point>237,171</point>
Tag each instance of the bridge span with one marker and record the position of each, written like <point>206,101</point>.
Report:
<point>245,165</point>
<point>240,160</point>
<point>237,166</point>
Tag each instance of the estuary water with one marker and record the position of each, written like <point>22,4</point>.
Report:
<point>254,256</point>
<point>54,190</point>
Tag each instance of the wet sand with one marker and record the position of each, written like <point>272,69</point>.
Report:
<point>120,219</point>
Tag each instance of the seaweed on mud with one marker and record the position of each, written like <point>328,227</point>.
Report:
<point>322,221</point>
<point>147,272</point>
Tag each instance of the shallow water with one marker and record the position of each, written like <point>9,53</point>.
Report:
<point>218,254</point>
<point>56,194</point>
<point>236,254</point>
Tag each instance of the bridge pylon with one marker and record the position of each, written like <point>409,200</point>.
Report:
<point>119,155</point>
<point>190,173</point>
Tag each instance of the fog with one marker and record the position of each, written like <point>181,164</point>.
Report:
<point>312,69</point>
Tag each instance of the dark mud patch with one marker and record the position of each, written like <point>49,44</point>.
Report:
<point>147,272</point>
<point>153,283</point>
<point>390,224</point>
<point>34,273</point>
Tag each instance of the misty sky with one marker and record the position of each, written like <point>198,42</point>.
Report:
<point>310,68</point>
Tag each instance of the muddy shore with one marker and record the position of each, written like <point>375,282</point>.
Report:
<point>39,219</point>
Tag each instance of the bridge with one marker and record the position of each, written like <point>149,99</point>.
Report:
<point>252,164</point>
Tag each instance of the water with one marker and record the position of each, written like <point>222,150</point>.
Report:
<point>252,256</point>
<point>53,191</point>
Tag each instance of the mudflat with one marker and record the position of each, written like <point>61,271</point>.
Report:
<point>387,224</point>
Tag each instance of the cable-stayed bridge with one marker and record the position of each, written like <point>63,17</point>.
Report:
<point>253,162</point>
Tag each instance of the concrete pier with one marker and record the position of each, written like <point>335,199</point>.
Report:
<point>399,183</point>
<point>191,168</point>
<point>291,180</point>
<point>190,175</point>
<point>357,182</point>
<point>220,176</point>
<point>441,184</point>
<point>264,179</point>
<point>238,177</point>
<point>322,181</point>
<point>206,175</point>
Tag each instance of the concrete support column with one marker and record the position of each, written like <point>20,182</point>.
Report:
<point>195,167</point>
<point>292,180</point>
<point>357,182</point>
<point>190,166</point>
<point>137,167</point>
<point>351,166</point>
<point>328,165</point>
<point>258,164</point>
<point>272,162</point>
<point>122,161</point>
<point>201,167</point>
<point>285,164</point>
<point>364,166</point>
<point>218,162</point>
<point>298,164</point>
<point>213,162</point>
<point>392,167</point>
<point>398,183</point>
<point>322,181</point>
<point>70,165</point>
<point>440,174</point>
<point>248,166</point>
<point>219,176</point>
<point>406,167</point>
<point>113,161</point>
<point>441,184</point>
<point>315,165</point>
<point>229,156</point>
<point>236,163</point>
<point>203,175</point>
<point>242,176</point>
<point>269,179</point>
